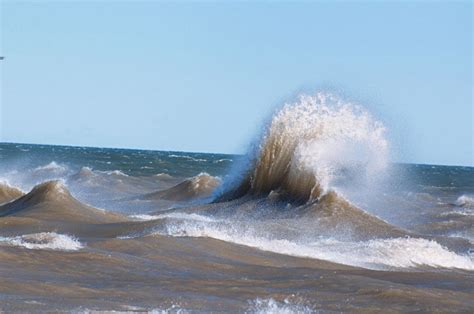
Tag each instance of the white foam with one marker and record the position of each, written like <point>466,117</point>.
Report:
<point>43,241</point>
<point>145,217</point>
<point>187,157</point>
<point>28,178</point>
<point>115,172</point>
<point>52,166</point>
<point>163,175</point>
<point>465,201</point>
<point>181,216</point>
<point>7,183</point>
<point>271,306</point>
<point>317,144</point>
<point>464,234</point>
<point>223,160</point>
<point>335,136</point>
<point>172,309</point>
<point>372,254</point>
<point>133,309</point>
<point>461,212</point>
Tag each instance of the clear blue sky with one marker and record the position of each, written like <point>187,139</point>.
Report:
<point>203,76</point>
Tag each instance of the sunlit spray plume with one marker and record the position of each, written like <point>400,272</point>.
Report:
<point>316,144</point>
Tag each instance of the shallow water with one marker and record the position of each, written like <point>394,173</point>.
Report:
<point>138,231</point>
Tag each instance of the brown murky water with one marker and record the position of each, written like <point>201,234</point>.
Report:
<point>118,230</point>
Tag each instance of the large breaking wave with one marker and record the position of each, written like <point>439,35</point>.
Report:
<point>312,146</point>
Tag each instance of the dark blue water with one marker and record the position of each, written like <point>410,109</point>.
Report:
<point>129,161</point>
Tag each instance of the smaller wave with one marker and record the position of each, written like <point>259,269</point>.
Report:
<point>187,157</point>
<point>465,201</point>
<point>163,176</point>
<point>175,216</point>
<point>466,235</point>
<point>377,254</point>
<point>8,192</point>
<point>461,212</point>
<point>182,216</point>
<point>43,241</point>
<point>26,178</point>
<point>263,306</point>
<point>116,173</point>
<point>197,187</point>
<point>52,166</point>
<point>52,200</point>
<point>146,167</point>
<point>223,160</point>
<point>134,309</point>
<point>84,173</point>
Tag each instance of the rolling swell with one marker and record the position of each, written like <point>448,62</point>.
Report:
<point>52,201</point>
<point>200,186</point>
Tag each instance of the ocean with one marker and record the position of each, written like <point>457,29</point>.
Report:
<point>314,218</point>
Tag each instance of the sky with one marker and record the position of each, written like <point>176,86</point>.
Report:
<point>203,76</point>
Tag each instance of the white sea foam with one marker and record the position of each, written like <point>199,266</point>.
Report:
<point>175,309</point>
<point>372,254</point>
<point>144,217</point>
<point>6,182</point>
<point>52,166</point>
<point>187,157</point>
<point>465,201</point>
<point>223,160</point>
<point>115,172</point>
<point>181,216</point>
<point>466,234</point>
<point>343,137</point>
<point>43,241</point>
<point>317,144</point>
<point>460,212</point>
<point>28,178</point>
<point>271,306</point>
<point>163,175</point>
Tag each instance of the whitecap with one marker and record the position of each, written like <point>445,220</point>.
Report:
<point>52,166</point>
<point>465,201</point>
<point>181,216</point>
<point>43,241</point>
<point>187,157</point>
<point>378,254</point>
<point>270,305</point>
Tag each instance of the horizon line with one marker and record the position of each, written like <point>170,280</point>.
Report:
<point>200,152</point>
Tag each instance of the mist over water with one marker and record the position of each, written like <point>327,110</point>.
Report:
<point>317,203</point>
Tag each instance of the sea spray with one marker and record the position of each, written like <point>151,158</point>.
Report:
<point>313,146</point>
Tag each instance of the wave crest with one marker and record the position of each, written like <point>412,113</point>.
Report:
<point>378,254</point>
<point>313,145</point>
<point>8,192</point>
<point>200,186</point>
<point>43,241</point>
<point>465,201</point>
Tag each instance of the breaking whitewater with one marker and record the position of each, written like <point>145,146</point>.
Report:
<point>315,218</point>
